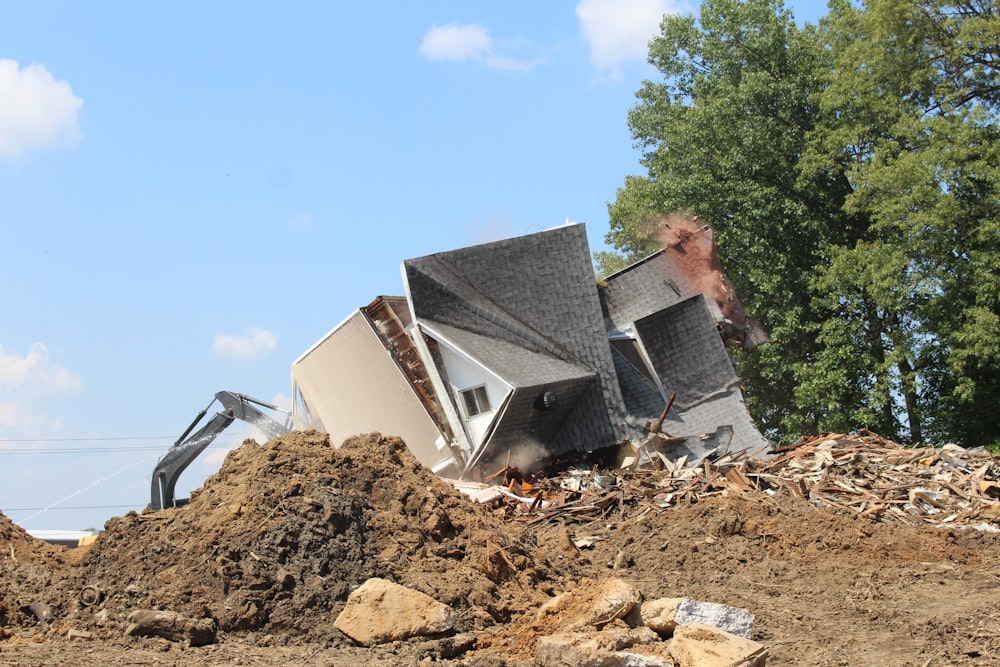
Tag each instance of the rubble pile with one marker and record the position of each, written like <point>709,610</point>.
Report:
<point>284,531</point>
<point>878,478</point>
<point>610,622</point>
<point>861,473</point>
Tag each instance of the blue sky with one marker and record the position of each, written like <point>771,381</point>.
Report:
<point>193,193</point>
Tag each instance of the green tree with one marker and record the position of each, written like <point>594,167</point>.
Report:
<point>848,170</point>
<point>910,111</point>
<point>722,133</point>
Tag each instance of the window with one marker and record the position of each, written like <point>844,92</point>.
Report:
<point>476,400</point>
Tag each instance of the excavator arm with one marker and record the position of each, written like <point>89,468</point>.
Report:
<point>189,446</point>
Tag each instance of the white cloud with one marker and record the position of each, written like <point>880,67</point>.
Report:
<point>36,110</point>
<point>467,42</point>
<point>619,30</point>
<point>257,343</point>
<point>8,413</point>
<point>35,373</point>
<point>28,383</point>
<point>456,42</point>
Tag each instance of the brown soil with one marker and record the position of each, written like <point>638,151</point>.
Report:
<point>273,543</point>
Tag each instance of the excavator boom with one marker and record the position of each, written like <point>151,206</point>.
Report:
<point>189,446</point>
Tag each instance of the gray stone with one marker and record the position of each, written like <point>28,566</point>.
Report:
<point>665,614</point>
<point>733,620</point>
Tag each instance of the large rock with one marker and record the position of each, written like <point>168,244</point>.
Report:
<point>700,645</point>
<point>607,648</point>
<point>380,611</point>
<point>170,625</point>
<point>590,605</point>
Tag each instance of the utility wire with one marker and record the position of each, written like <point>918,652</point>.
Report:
<point>140,437</point>
<point>80,507</point>
<point>105,450</point>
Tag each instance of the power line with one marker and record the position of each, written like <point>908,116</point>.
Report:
<point>140,437</point>
<point>105,450</point>
<point>80,507</point>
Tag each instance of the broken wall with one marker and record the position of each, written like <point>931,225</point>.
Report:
<point>352,385</point>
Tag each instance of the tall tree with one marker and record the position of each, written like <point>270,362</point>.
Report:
<point>910,111</point>
<point>848,171</point>
<point>722,133</point>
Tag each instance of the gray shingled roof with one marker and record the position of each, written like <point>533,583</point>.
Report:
<point>689,357</point>
<point>539,293</point>
<point>642,398</point>
<point>516,365</point>
<point>643,288</point>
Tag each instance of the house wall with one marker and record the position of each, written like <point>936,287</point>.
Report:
<point>466,374</point>
<point>351,384</point>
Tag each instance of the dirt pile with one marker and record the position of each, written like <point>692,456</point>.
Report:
<point>28,568</point>
<point>270,547</point>
<point>277,539</point>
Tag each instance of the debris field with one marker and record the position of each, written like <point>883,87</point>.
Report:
<point>837,550</point>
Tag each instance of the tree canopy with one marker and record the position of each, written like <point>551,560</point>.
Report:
<point>850,170</point>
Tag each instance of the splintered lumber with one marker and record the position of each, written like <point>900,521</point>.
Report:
<point>863,473</point>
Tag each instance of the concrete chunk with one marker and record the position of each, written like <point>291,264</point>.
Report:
<point>733,620</point>
<point>700,645</point>
<point>380,611</point>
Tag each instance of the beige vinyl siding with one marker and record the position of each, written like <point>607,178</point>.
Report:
<point>352,386</point>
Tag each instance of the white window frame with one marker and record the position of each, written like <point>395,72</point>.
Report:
<point>477,398</point>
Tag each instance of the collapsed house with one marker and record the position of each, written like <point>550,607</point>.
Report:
<point>511,351</point>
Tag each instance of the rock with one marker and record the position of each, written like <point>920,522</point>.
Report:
<point>171,626</point>
<point>700,645</point>
<point>665,614</point>
<point>659,615</point>
<point>73,633</point>
<point>600,649</point>
<point>380,611</point>
<point>591,605</point>
<point>733,620</point>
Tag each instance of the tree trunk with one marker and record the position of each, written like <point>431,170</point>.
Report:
<point>909,390</point>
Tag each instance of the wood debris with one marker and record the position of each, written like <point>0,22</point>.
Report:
<point>862,473</point>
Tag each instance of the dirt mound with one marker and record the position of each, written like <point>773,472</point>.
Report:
<point>283,532</point>
<point>273,543</point>
<point>27,567</point>
<point>17,544</point>
<point>824,586</point>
